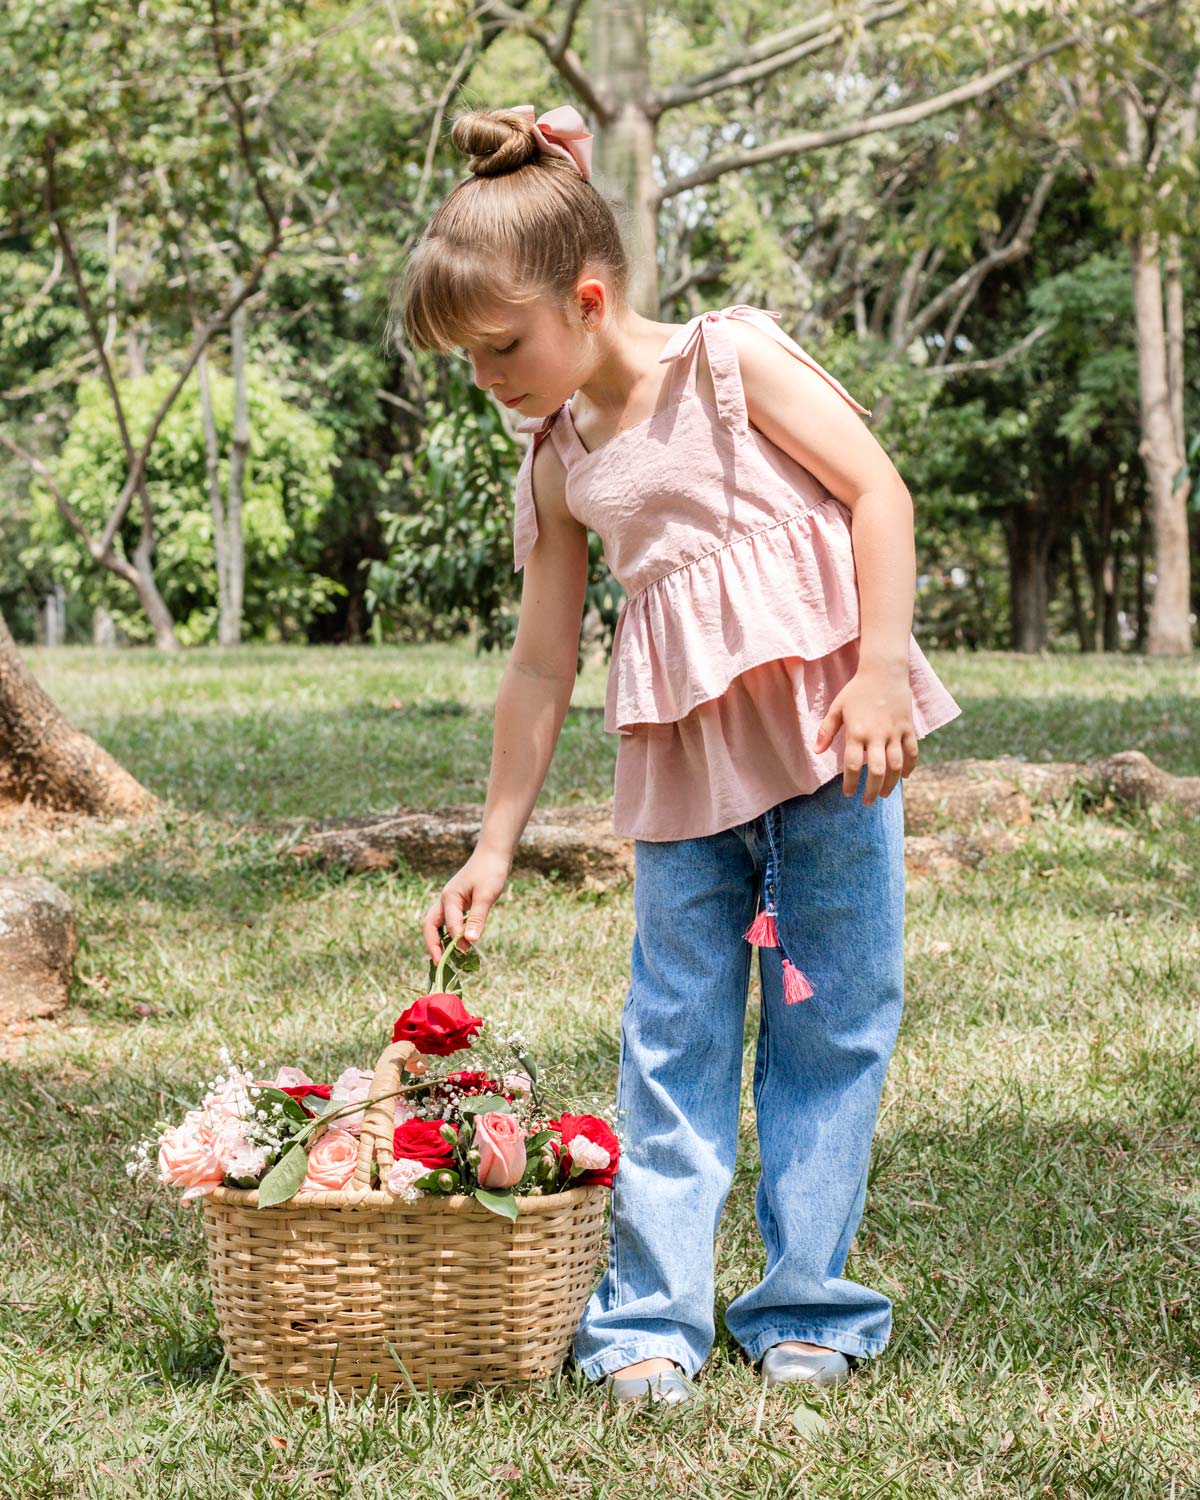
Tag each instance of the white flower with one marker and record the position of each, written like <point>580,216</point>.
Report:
<point>353,1087</point>
<point>587,1155</point>
<point>518,1082</point>
<point>237,1153</point>
<point>400,1178</point>
<point>230,1100</point>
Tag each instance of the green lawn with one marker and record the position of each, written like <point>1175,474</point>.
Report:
<point>1033,1207</point>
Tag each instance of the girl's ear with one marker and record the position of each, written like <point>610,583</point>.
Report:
<point>592,295</point>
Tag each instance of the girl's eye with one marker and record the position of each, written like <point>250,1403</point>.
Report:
<point>509,349</point>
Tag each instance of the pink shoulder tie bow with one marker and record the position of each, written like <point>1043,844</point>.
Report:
<point>562,131</point>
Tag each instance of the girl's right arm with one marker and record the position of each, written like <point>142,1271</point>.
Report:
<point>535,693</point>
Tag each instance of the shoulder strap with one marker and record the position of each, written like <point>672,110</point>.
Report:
<point>713,329</point>
<point>525,526</point>
<point>708,328</point>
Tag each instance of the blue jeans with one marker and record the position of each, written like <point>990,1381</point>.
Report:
<point>818,1076</point>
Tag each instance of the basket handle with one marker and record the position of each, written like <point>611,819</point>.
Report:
<point>378,1127</point>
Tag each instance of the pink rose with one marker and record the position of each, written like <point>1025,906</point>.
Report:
<point>353,1087</point>
<point>500,1142</point>
<point>401,1176</point>
<point>331,1162</point>
<point>187,1159</point>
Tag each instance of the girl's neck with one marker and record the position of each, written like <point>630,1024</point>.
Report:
<point>627,374</point>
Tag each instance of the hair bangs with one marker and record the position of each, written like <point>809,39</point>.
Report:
<point>449,297</point>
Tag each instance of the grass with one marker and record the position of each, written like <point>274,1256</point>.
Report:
<point>1032,1210</point>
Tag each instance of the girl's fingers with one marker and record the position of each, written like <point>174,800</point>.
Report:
<point>453,902</point>
<point>431,927</point>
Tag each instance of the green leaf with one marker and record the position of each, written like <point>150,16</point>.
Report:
<point>484,1104</point>
<point>429,1183</point>
<point>318,1105</point>
<point>529,1065</point>
<point>291,1107</point>
<point>535,1142</point>
<point>284,1178</point>
<point>503,1204</point>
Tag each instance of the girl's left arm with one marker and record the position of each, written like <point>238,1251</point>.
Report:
<point>801,413</point>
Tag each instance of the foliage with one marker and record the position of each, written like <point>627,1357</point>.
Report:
<point>452,552</point>
<point>450,555</point>
<point>288,486</point>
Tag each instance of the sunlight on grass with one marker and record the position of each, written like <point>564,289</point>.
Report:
<point>1032,1208</point>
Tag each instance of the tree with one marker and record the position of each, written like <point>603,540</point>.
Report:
<point>43,759</point>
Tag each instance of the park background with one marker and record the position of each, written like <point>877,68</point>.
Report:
<point>261,554</point>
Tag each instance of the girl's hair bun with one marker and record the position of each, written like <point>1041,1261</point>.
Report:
<point>496,141</point>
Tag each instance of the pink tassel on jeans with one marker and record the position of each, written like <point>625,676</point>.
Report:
<point>763,933</point>
<point>795,984</point>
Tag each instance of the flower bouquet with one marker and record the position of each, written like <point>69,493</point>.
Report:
<point>366,1231</point>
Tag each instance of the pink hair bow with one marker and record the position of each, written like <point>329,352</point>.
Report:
<point>562,131</point>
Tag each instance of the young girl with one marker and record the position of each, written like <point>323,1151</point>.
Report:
<point>769,696</point>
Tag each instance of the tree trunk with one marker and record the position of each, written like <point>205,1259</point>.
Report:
<point>1170,632</point>
<point>230,623</point>
<point>625,148</point>
<point>226,510</point>
<point>1029,538</point>
<point>1078,617</point>
<point>44,760</point>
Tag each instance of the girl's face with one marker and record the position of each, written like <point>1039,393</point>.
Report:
<point>540,357</point>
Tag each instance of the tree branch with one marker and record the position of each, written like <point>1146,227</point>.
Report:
<point>1013,249</point>
<point>557,48</point>
<point>772,54</point>
<point>909,114</point>
<point>996,362</point>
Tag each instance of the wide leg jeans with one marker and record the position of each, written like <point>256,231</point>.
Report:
<point>838,870</point>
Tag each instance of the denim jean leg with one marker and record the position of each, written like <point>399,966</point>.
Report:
<point>820,1066</point>
<point>678,1094</point>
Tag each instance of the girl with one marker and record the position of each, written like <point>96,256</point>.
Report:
<point>769,697</point>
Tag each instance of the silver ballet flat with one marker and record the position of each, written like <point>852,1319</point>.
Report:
<point>671,1386</point>
<point>779,1364</point>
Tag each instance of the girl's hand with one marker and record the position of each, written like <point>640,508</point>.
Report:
<point>875,707</point>
<point>466,898</point>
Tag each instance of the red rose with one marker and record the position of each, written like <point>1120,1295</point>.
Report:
<point>600,1134</point>
<point>422,1140</point>
<point>437,1025</point>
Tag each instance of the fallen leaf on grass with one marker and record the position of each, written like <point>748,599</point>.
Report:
<point>808,1422</point>
<point>277,1442</point>
<point>504,1471</point>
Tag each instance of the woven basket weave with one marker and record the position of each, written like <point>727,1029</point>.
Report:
<point>353,1288</point>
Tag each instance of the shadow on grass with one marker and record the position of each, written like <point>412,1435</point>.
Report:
<point>1013,1242</point>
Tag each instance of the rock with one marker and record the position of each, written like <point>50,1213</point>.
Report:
<point>577,843</point>
<point>953,816</point>
<point>37,948</point>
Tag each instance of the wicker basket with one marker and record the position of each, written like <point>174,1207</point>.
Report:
<point>353,1288</point>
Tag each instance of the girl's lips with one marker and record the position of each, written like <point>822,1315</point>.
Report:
<point>516,401</point>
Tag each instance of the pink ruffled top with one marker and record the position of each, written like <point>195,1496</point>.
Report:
<point>741,621</point>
